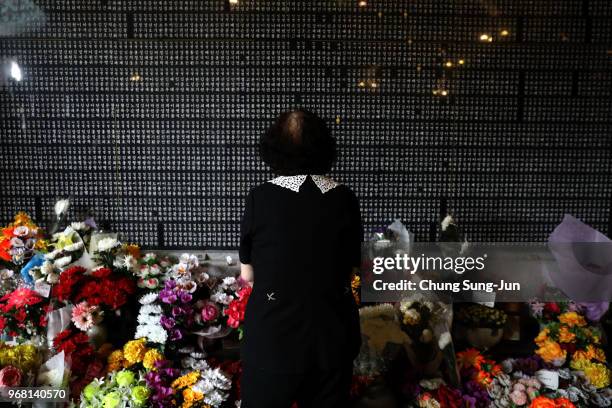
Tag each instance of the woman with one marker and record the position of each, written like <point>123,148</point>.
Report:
<point>301,239</point>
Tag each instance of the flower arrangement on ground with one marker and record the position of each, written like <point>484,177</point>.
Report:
<point>19,240</point>
<point>23,314</point>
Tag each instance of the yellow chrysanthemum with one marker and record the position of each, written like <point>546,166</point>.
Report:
<point>150,358</point>
<point>572,319</point>
<point>580,361</point>
<point>542,337</point>
<point>134,351</point>
<point>190,397</point>
<point>115,361</point>
<point>186,380</point>
<point>595,353</point>
<point>566,336</point>
<point>551,352</point>
<point>598,375</point>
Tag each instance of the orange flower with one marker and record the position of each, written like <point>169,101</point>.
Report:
<point>542,337</point>
<point>566,336</point>
<point>572,319</point>
<point>564,403</point>
<point>551,352</point>
<point>132,249</point>
<point>470,358</point>
<point>595,353</point>
<point>542,402</point>
<point>484,378</point>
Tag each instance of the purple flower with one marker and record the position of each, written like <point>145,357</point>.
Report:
<point>170,284</point>
<point>185,297</point>
<point>177,311</point>
<point>167,296</point>
<point>167,322</point>
<point>176,334</point>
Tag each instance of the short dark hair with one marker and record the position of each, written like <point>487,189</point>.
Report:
<point>298,142</point>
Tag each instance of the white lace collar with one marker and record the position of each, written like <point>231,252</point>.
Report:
<point>294,183</point>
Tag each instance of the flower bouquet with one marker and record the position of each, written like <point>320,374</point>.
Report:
<point>19,240</point>
<point>427,324</point>
<point>18,364</point>
<point>483,325</point>
<point>571,335</point>
<point>151,270</point>
<point>23,314</point>
<point>123,388</point>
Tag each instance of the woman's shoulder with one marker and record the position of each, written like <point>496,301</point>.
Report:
<point>280,184</point>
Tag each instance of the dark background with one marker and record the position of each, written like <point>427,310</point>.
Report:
<point>148,112</point>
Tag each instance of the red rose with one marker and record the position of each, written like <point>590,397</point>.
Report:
<point>552,308</point>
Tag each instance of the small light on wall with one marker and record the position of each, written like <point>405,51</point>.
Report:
<point>373,84</point>
<point>461,62</point>
<point>233,1</point>
<point>338,120</point>
<point>448,64</point>
<point>16,71</point>
<point>504,33</point>
<point>135,77</point>
<point>363,3</point>
<point>361,84</point>
<point>486,38</point>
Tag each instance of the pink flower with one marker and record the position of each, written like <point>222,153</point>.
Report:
<point>10,377</point>
<point>84,316</point>
<point>518,397</point>
<point>210,311</point>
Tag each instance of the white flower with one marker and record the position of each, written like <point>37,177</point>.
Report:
<point>126,261</point>
<point>6,274</point>
<point>149,256</point>
<point>444,340</point>
<point>222,298</point>
<point>106,244</point>
<point>51,255</point>
<point>73,247</point>
<point>151,310</point>
<point>156,334</point>
<point>78,226</point>
<point>229,281</point>
<point>46,268</point>
<point>63,261</point>
<point>148,298</point>
<point>446,222</point>
<point>21,231</point>
<point>61,206</point>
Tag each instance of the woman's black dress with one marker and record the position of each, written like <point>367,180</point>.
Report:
<point>302,235</point>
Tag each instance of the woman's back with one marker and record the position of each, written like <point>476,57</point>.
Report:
<point>302,235</point>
